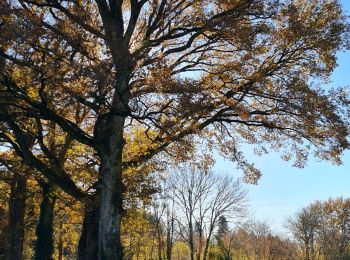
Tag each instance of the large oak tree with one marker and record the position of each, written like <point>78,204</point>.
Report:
<point>182,71</point>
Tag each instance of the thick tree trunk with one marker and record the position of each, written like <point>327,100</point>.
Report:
<point>17,206</point>
<point>110,246</point>
<point>109,140</point>
<point>44,231</point>
<point>88,244</point>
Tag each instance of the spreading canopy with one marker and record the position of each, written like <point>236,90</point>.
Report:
<point>225,71</point>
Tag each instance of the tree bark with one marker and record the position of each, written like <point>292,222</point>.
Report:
<point>17,204</point>
<point>88,244</point>
<point>200,242</point>
<point>44,231</point>
<point>307,252</point>
<point>169,247</point>
<point>110,246</point>
<point>159,238</point>
<point>60,243</point>
<point>170,233</point>
<point>109,141</point>
<point>206,249</point>
<point>191,240</point>
<point>168,253</point>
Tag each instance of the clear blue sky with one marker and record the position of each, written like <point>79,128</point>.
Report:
<point>283,190</point>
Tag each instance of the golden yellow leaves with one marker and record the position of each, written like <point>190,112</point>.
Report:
<point>139,142</point>
<point>137,226</point>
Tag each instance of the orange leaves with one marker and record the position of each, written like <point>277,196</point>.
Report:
<point>245,114</point>
<point>229,4</point>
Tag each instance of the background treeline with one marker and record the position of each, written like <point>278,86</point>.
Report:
<point>191,213</point>
<point>322,229</point>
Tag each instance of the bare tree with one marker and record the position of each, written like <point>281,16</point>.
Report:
<point>201,199</point>
<point>304,226</point>
<point>254,240</point>
<point>164,222</point>
<point>169,223</point>
<point>261,238</point>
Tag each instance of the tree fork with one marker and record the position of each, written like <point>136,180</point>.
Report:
<point>109,139</point>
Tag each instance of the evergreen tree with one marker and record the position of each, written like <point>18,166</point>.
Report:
<point>223,228</point>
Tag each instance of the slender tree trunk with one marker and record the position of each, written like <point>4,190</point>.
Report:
<point>109,140</point>
<point>191,240</point>
<point>312,249</point>
<point>44,230</point>
<point>159,238</point>
<point>307,252</point>
<point>170,234</point>
<point>17,206</point>
<point>168,253</point>
<point>88,244</point>
<point>169,247</point>
<point>200,243</point>
<point>206,249</point>
<point>151,249</point>
<point>60,243</point>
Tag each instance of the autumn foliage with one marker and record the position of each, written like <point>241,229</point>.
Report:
<point>97,97</point>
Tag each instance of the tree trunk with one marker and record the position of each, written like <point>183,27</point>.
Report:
<point>169,248</point>
<point>168,253</point>
<point>169,235</point>
<point>44,231</point>
<point>109,141</point>
<point>307,252</point>
<point>159,238</point>
<point>111,211</point>
<point>88,244</point>
<point>191,239</point>
<point>206,249</point>
<point>200,242</point>
<point>60,243</point>
<point>17,204</point>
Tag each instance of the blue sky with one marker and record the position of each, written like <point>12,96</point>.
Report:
<point>283,190</point>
